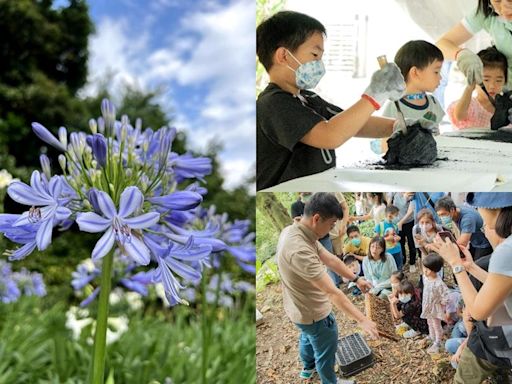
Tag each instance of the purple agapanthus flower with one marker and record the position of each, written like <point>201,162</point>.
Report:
<point>48,206</point>
<point>138,282</point>
<point>44,134</point>
<point>118,226</point>
<point>186,166</point>
<point>83,275</point>
<point>98,143</point>
<point>176,259</point>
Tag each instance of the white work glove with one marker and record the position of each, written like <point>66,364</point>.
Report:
<point>471,66</point>
<point>386,83</point>
<point>427,124</point>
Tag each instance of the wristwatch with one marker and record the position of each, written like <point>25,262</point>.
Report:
<point>458,269</point>
<point>355,280</point>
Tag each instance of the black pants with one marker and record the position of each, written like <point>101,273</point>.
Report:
<point>479,252</point>
<point>406,234</point>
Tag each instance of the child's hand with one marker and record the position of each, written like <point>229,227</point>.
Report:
<point>393,299</point>
<point>386,83</point>
<point>470,65</point>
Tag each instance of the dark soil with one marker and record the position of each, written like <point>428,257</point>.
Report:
<point>416,148</point>
<point>497,136</point>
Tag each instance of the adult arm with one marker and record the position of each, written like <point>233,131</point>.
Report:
<point>451,41</point>
<point>493,293</point>
<point>340,300</point>
<point>464,239</point>
<point>407,216</point>
<point>338,266</point>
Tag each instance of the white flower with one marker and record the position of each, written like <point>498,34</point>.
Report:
<point>134,300</point>
<point>160,292</point>
<point>5,178</point>
<point>74,324</point>
<point>116,327</point>
<point>115,296</point>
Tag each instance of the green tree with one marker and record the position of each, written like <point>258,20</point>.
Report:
<point>44,62</point>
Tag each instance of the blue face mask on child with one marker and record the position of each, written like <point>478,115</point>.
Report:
<point>404,299</point>
<point>309,74</point>
<point>356,241</point>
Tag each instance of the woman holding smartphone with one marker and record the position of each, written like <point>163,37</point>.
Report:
<point>495,294</point>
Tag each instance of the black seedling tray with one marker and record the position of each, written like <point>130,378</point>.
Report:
<point>353,354</point>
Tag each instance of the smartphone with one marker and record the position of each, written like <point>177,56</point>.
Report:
<point>445,234</point>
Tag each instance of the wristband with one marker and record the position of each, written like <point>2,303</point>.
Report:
<point>371,100</point>
<point>355,280</point>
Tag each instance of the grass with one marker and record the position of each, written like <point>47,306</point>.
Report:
<point>165,347</point>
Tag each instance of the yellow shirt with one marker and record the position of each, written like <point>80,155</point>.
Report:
<point>362,250</point>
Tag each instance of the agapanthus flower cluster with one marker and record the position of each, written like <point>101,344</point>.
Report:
<point>224,292</point>
<point>15,284</point>
<point>124,183</point>
<point>124,276</point>
<point>236,236</point>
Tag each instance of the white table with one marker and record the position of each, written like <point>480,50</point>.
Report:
<point>470,165</point>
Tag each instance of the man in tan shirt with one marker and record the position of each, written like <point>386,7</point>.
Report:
<point>308,291</point>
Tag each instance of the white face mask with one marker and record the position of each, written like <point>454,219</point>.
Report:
<point>426,227</point>
<point>404,298</point>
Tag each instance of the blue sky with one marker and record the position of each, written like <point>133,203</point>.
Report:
<point>201,53</point>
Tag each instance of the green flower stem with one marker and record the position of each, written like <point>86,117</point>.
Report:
<point>96,374</point>
<point>205,333</point>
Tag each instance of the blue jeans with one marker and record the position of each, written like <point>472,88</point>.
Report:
<point>334,277</point>
<point>327,243</point>
<point>459,334</point>
<point>459,330</point>
<point>317,347</point>
<point>451,346</point>
<point>398,259</point>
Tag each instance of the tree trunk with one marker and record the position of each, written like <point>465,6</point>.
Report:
<point>271,207</point>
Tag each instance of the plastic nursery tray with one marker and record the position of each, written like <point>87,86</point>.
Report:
<point>353,354</point>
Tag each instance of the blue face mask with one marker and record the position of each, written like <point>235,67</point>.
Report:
<point>356,241</point>
<point>446,221</point>
<point>309,74</point>
<point>404,299</point>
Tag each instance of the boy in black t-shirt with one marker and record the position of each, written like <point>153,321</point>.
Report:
<point>297,131</point>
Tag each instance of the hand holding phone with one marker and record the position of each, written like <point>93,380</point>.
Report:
<point>447,234</point>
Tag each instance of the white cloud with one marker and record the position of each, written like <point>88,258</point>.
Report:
<point>211,54</point>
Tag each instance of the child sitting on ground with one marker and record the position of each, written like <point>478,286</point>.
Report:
<point>378,267</point>
<point>434,300</point>
<point>407,306</point>
<point>356,244</point>
<point>353,264</point>
<point>388,229</point>
<point>475,111</point>
<point>396,278</point>
<point>420,63</point>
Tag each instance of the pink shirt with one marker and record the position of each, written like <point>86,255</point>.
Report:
<point>477,116</point>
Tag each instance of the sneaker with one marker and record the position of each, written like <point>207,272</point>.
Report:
<point>412,268</point>
<point>410,334</point>
<point>434,348</point>
<point>401,325</point>
<point>307,373</point>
